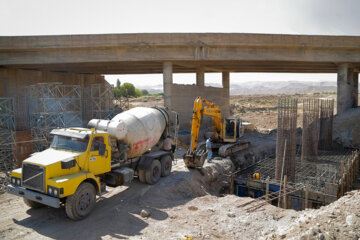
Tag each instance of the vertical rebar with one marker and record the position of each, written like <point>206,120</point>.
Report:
<point>310,133</point>
<point>287,119</point>
<point>326,123</point>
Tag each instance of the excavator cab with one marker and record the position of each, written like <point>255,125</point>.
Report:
<point>230,130</point>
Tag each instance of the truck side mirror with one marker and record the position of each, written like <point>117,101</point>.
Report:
<point>102,149</point>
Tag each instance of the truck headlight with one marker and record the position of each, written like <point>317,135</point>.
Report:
<point>53,191</point>
<point>16,181</point>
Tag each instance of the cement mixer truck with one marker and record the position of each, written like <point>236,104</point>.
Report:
<point>81,162</point>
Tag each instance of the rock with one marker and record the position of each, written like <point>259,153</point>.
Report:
<point>350,220</point>
<point>144,213</point>
<point>312,232</point>
<point>230,214</point>
<point>193,208</point>
<point>282,236</point>
<point>304,236</point>
<point>322,236</point>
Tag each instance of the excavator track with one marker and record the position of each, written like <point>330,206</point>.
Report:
<point>232,148</point>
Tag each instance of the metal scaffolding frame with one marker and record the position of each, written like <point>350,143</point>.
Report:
<point>310,132</point>
<point>286,139</point>
<point>53,105</point>
<point>98,102</point>
<point>7,145</point>
<point>7,113</point>
<point>7,126</point>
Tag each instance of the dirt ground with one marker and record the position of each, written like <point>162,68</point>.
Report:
<point>185,204</point>
<point>261,109</point>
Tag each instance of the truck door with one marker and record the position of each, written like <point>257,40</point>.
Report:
<point>97,163</point>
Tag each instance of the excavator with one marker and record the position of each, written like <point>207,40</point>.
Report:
<point>226,134</point>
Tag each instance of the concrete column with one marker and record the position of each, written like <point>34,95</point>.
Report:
<point>347,88</point>
<point>226,80</point>
<point>167,81</point>
<point>356,88</point>
<point>226,87</point>
<point>200,77</point>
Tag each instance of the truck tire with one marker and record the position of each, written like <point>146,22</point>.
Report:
<point>153,173</point>
<point>166,165</point>
<point>33,204</point>
<point>141,175</point>
<point>80,204</point>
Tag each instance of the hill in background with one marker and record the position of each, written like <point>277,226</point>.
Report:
<point>266,87</point>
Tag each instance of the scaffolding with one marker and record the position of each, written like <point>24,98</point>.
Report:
<point>7,146</point>
<point>286,139</point>
<point>326,123</point>
<point>53,105</point>
<point>98,102</point>
<point>7,113</point>
<point>310,133</point>
<point>7,126</point>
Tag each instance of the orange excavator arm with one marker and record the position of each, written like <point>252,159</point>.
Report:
<point>198,111</point>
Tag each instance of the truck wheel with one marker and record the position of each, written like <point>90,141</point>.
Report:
<point>166,165</point>
<point>32,204</point>
<point>141,175</point>
<point>153,173</point>
<point>80,204</point>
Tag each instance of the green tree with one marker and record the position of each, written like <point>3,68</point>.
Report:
<point>127,90</point>
<point>138,93</point>
<point>118,84</point>
<point>145,92</point>
<point>116,92</point>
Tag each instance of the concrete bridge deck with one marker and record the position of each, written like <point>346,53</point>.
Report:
<point>213,52</point>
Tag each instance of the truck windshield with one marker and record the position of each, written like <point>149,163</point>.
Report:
<point>70,143</point>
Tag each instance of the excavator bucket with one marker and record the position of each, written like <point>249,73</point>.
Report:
<point>195,159</point>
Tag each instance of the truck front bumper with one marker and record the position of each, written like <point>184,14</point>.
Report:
<point>34,196</point>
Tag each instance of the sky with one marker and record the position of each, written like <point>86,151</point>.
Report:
<point>315,17</point>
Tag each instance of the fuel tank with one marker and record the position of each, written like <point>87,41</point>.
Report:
<point>140,128</point>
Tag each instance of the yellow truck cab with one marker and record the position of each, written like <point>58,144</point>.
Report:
<point>74,161</point>
<point>81,162</point>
